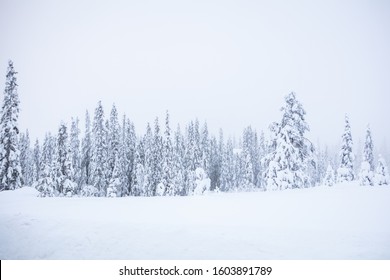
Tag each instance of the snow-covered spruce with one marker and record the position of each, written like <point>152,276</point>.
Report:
<point>345,171</point>
<point>382,173</point>
<point>366,175</point>
<point>10,169</point>
<point>291,152</point>
<point>329,176</point>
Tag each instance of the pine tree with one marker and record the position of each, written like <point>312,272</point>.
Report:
<point>366,174</point>
<point>63,169</point>
<point>168,164</point>
<point>75,152</point>
<point>247,155</point>
<point>36,161</point>
<point>113,143</point>
<point>26,163</point>
<point>345,171</point>
<point>329,176</point>
<point>139,186</point>
<point>114,187</point>
<point>99,152</point>
<point>148,162</point>
<point>10,169</point>
<point>179,152</point>
<point>157,158</point>
<point>86,153</point>
<point>127,157</point>
<point>382,173</point>
<point>291,151</point>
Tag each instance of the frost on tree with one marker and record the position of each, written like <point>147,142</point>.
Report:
<point>366,175</point>
<point>345,171</point>
<point>291,152</point>
<point>10,169</point>
<point>382,173</point>
<point>329,176</point>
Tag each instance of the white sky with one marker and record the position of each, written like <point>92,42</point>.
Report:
<point>227,62</point>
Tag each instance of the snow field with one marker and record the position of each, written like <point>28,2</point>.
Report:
<point>345,221</point>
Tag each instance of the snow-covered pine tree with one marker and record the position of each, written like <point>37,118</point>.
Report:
<point>75,152</point>
<point>26,163</point>
<point>99,152</point>
<point>148,162</point>
<point>292,152</point>
<point>178,159</point>
<point>345,172</point>
<point>197,146</point>
<point>227,167</point>
<point>329,176</point>
<point>139,185</point>
<point>247,150</point>
<point>205,148</point>
<point>366,174</point>
<point>261,155</point>
<point>86,153</point>
<point>10,170</point>
<point>64,171</point>
<point>127,156</point>
<point>382,173</point>
<point>113,143</point>
<point>114,187</point>
<point>168,164</point>
<point>157,158</point>
<point>36,161</point>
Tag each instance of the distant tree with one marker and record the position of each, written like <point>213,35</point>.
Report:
<point>157,158</point>
<point>86,153</point>
<point>26,162</point>
<point>382,173</point>
<point>329,176</point>
<point>75,152</point>
<point>64,169</point>
<point>36,161</point>
<point>10,169</point>
<point>366,174</point>
<point>113,143</point>
<point>127,157</point>
<point>345,172</point>
<point>99,152</point>
<point>168,166</point>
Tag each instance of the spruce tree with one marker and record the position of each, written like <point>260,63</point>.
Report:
<point>382,173</point>
<point>329,176</point>
<point>291,151</point>
<point>86,153</point>
<point>168,164</point>
<point>366,174</point>
<point>10,169</point>
<point>26,162</point>
<point>75,151</point>
<point>345,171</point>
<point>99,152</point>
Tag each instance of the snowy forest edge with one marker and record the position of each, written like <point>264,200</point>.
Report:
<point>110,160</point>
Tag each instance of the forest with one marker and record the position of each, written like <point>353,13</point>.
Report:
<point>110,160</point>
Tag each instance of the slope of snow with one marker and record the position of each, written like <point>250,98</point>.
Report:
<point>345,221</point>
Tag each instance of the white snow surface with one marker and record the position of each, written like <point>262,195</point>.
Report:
<point>346,221</point>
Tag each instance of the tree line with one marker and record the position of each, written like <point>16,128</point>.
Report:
<point>110,159</point>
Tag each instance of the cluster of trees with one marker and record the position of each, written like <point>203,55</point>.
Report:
<point>110,159</point>
<point>368,175</point>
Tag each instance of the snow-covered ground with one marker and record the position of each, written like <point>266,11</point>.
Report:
<point>340,222</point>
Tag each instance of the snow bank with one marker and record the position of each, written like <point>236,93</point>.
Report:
<point>346,221</point>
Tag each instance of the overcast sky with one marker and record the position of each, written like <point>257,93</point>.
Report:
<point>227,62</point>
